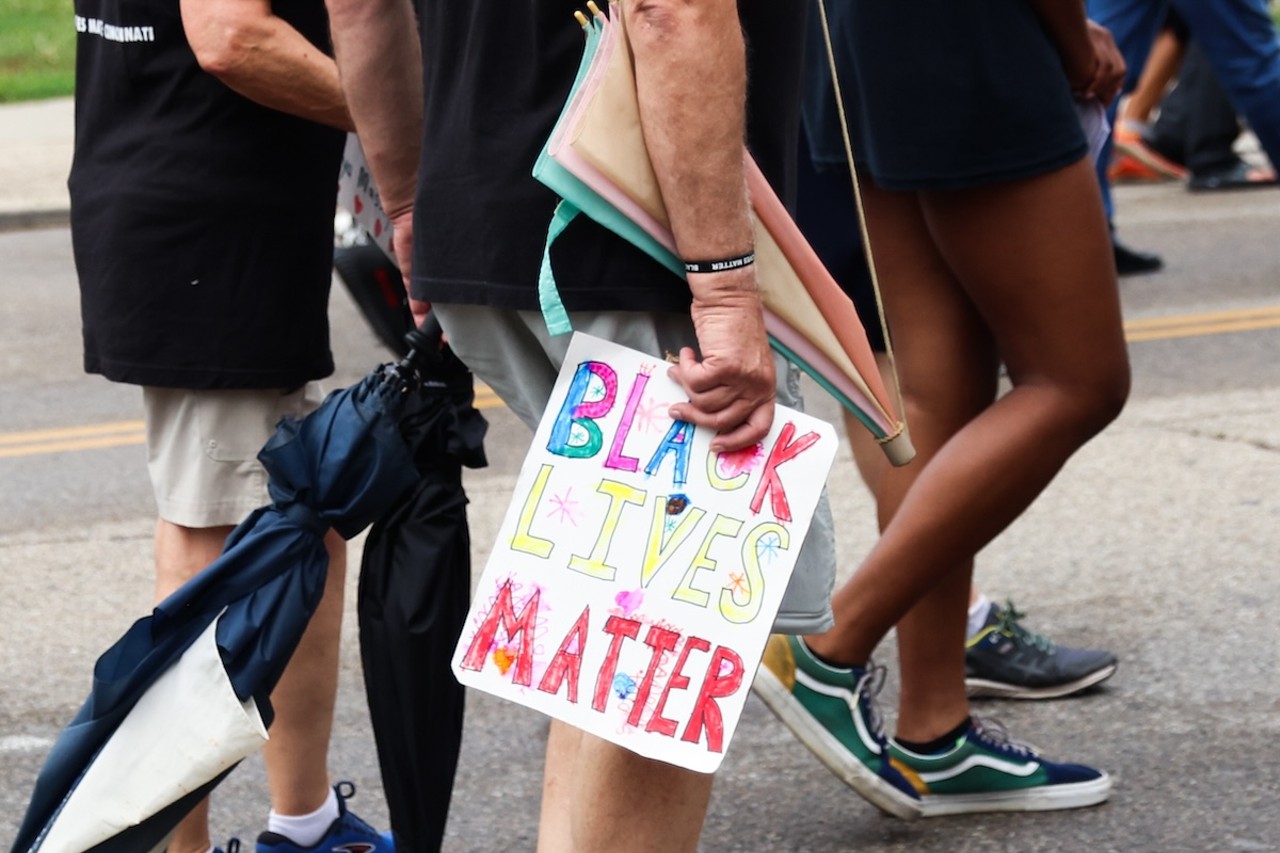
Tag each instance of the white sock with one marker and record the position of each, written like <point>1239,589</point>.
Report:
<point>305,830</point>
<point>978,615</point>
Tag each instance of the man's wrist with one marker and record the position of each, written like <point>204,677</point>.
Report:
<point>736,287</point>
<point>726,264</point>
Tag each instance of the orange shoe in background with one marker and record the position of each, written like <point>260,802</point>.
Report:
<point>1133,159</point>
<point>1127,170</point>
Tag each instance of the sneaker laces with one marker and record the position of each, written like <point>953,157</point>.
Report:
<point>994,731</point>
<point>868,688</point>
<point>345,791</point>
<point>1009,623</point>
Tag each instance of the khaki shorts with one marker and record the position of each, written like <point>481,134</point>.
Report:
<point>513,353</point>
<point>202,449</point>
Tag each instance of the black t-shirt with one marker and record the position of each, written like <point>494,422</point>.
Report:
<point>496,79</point>
<point>202,223</point>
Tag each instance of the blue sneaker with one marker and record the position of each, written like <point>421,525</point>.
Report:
<point>987,771</point>
<point>833,712</point>
<point>347,834</point>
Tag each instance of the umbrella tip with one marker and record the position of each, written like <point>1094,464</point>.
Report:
<point>595,10</point>
<point>582,19</point>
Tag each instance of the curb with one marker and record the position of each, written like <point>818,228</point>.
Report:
<point>30,220</point>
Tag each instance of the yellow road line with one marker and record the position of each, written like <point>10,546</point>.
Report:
<point>1209,323</point>
<point>64,446</point>
<point>88,437</point>
<point>123,433</point>
<point>63,433</point>
<point>486,399</point>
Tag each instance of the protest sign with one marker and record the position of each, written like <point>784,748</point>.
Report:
<point>358,195</point>
<point>636,574</point>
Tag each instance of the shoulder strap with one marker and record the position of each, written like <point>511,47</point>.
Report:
<point>857,198</point>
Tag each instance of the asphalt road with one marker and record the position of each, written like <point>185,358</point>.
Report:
<point>1159,541</point>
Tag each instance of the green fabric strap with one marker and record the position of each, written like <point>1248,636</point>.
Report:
<point>557,319</point>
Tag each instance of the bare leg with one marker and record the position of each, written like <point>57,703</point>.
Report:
<point>1162,66</point>
<point>926,701</point>
<point>1032,258</point>
<point>597,796</point>
<point>297,755</point>
<point>873,466</point>
<point>555,827</point>
<point>948,367</point>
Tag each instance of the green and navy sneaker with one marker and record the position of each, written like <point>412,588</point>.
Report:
<point>832,711</point>
<point>1006,660</point>
<point>986,771</point>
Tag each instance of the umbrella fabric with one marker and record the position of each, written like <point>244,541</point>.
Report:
<point>415,576</point>
<point>339,467</point>
<point>415,587</point>
<point>134,776</point>
<point>596,159</point>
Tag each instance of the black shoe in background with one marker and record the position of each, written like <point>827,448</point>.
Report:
<point>1236,176</point>
<point>1133,262</point>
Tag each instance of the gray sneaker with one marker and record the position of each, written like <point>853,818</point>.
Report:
<point>1007,661</point>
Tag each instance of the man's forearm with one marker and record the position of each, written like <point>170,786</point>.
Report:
<point>691,84</point>
<point>260,56</point>
<point>380,65</point>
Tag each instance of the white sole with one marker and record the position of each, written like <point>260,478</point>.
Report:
<point>1075,795</point>
<point>831,752</point>
<point>978,688</point>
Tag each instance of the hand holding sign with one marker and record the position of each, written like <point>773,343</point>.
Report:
<point>637,573</point>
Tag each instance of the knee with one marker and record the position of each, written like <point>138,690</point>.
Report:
<point>1102,399</point>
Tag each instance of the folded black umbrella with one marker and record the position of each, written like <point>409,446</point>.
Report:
<point>415,576</point>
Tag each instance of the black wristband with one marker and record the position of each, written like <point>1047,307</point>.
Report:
<point>722,265</point>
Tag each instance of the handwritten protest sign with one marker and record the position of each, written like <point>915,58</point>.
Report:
<point>636,574</point>
<point>358,195</point>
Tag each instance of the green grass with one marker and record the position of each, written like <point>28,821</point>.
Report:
<point>37,49</point>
